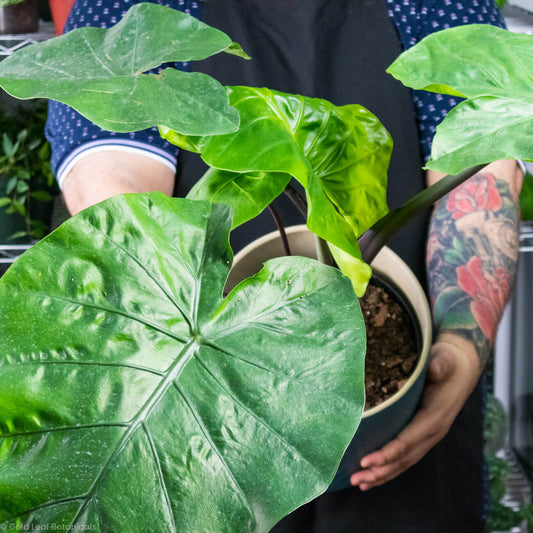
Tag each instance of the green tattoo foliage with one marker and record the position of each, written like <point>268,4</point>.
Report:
<point>469,270</point>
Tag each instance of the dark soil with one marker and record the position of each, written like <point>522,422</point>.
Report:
<point>392,353</point>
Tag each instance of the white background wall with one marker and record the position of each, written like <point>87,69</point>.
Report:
<point>525,4</point>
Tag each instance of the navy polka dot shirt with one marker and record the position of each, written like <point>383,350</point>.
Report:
<point>72,135</point>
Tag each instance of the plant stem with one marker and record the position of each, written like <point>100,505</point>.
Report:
<point>323,253</point>
<point>281,229</point>
<point>296,197</point>
<point>374,238</point>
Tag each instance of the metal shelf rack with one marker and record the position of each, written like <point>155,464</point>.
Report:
<point>10,43</point>
<point>518,19</point>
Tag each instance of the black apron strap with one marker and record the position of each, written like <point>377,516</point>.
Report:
<point>339,50</point>
<point>333,49</point>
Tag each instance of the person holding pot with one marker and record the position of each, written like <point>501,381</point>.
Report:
<point>431,477</point>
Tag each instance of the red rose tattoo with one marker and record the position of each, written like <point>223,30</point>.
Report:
<point>470,267</point>
<point>478,194</point>
<point>488,292</point>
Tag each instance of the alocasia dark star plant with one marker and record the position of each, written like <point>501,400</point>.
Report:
<point>134,395</point>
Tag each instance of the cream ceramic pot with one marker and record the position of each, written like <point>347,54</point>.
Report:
<point>383,422</point>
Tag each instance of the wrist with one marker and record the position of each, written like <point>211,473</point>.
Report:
<point>462,348</point>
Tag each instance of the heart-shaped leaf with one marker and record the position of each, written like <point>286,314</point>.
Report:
<point>99,72</point>
<point>491,67</point>
<point>136,398</point>
<point>339,154</point>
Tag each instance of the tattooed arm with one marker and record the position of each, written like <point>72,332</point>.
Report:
<point>472,255</point>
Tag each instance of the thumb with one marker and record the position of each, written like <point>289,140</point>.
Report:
<point>442,365</point>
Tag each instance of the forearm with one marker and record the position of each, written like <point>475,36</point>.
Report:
<point>472,255</point>
<point>104,174</point>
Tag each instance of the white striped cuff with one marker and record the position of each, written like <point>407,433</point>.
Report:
<point>119,145</point>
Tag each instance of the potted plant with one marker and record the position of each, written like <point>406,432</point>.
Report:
<point>148,375</point>
<point>59,10</point>
<point>502,516</point>
<point>188,263</point>
<point>22,16</point>
<point>18,16</point>
<point>27,186</point>
<point>386,413</point>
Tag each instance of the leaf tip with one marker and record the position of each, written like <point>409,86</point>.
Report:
<point>236,50</point>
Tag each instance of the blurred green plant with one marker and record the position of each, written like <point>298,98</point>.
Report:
<point>5,3</point>
<point>526,198</point>
<point>26,180</point>
<point>501,517</point>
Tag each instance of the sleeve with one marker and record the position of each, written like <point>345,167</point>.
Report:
<point>72,136</point>
<point>414,20</point>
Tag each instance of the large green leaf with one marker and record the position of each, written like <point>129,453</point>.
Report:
<point>493,68</point>
<point>135,398</point>
<point>339,154</point>
<point>482,130</point>
<point>247,192</point>
<point>99,72</point>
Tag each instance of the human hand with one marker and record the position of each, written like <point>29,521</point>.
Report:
<point>452,375</point>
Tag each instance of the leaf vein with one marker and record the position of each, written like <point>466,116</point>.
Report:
<point>169,295</point>
<point>287,445</point>
<point>95,55</point>
<point>215,449</point>
<point>264,368</point>
<point>47,505</point>
<point>88,363</point>
<point>110,310</point>
<point>142,414</point>
<point>64,428</point>
<point>160,476</point>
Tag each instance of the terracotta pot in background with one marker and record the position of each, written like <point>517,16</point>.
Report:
<point>60,10</point>
<point>19,18</point>
<point>383,422</point>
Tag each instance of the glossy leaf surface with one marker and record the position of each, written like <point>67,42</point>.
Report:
<point>135,398</point>
<point>339,154</point>
<point>247,192</point>
<point>356,269</point>
<point>99,72</point>
<point>491,67</point>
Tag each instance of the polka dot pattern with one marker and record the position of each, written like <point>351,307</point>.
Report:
<point>413,19</point>
<point>67,131</point>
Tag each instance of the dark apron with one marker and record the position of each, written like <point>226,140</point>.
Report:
<point>339,50</point>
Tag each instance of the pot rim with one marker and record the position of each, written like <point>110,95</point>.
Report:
<point>421,308</point>
<point>418,301</point>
